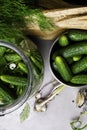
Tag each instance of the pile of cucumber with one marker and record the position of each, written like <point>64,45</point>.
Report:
<point>13,76</point>
<point>14,73</point>
<point>69,57</point>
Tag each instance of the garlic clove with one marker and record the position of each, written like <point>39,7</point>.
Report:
<point>80,99</point>
<point>38,95</point>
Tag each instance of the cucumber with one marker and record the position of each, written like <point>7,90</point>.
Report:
<point>69,60</point>
<point>5,97</point>
<point>79,66</point>
<point>2,51</point>
<point>37,63</point>
<point>19,90</point>
<point>63,40</point>
<point>55,53</point>
<point>14,80</point>
<point>54,66</point>
<point>73,50</point>
<point>77,58</point>
<point>12,57</point>
<point>77,35</point>
<point>36,72</point>
<point>63,68</point>
<point>35,54</point>
<point>23,67</point>
<point>3,61</point>
<point>79,79</point>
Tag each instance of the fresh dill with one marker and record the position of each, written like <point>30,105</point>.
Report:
<point>13,15</point>
<point>36,16</point>
<point>11,19</point>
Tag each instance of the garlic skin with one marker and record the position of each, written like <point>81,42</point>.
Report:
<point>41,103</point>
<point>80,99</point>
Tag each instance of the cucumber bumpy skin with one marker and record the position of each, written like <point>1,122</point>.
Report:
<point>23,67</point>
<point>63,68</point>
<point>77,35</point>
<point>73,50</point>
<point>14,80</point>
<point>79,66</point>
<point>12,57</point>
<point>79,79</point>
<point>5,97</point>
<point>2,51</point>
<point>63,41</point>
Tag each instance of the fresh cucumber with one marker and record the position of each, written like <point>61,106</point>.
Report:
<point>63,40</point>
<point>3,61</point>
<point>54,66</point>
<point>37,63</point>
<point>2,51</point>
<point>5,97</point>
<point>77,35</point>
<point>35,54</point>
<point>14,80</point>
<point>77,58</point>
<point>63,68</point>
<point>79,66</point>
<point>73,50</point>
<point>55,53</point>
<point>12,57</point>
<point>79,79</point>
<point>19,90</point>
<point>36,72</point>
<point>23,67</point>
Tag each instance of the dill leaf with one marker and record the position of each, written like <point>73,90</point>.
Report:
<point>36,16</point>
<point>13,15</point>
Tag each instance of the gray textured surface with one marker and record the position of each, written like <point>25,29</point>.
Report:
<point>60,111</point>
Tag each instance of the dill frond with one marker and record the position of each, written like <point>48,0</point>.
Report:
<point>36,16</point>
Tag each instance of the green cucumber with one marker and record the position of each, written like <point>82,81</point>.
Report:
<point>54,66</point>
<point>12,57</point>
<point>19,90</point>
<point>63,68</point>
<point>35,54</point>
<point>63,40</point>
<point>79,79</point>
<point>37,63</point>
<point>14,80</point>
<point>5,97</point>
<point>55,53</point>
<point>23,67</point>
<point>77,58</point>
<point>73,50</point>
<point>3,61</point>
<point>77,35</point>
<point>2,51</point>
<point>79,66</point>
<point>36,72</point>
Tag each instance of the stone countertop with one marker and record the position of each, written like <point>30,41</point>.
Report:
<point>60,111</point>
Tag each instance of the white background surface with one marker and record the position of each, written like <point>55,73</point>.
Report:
<point>60,111</point>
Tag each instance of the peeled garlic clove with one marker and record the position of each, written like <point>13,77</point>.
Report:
<point>38,95</point>
<point>80,99</point>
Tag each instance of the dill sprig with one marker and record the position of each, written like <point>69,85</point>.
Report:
<point>36,16</point>
<point>12,12</point>
<point>12,19</point>
<point>13,15</point>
